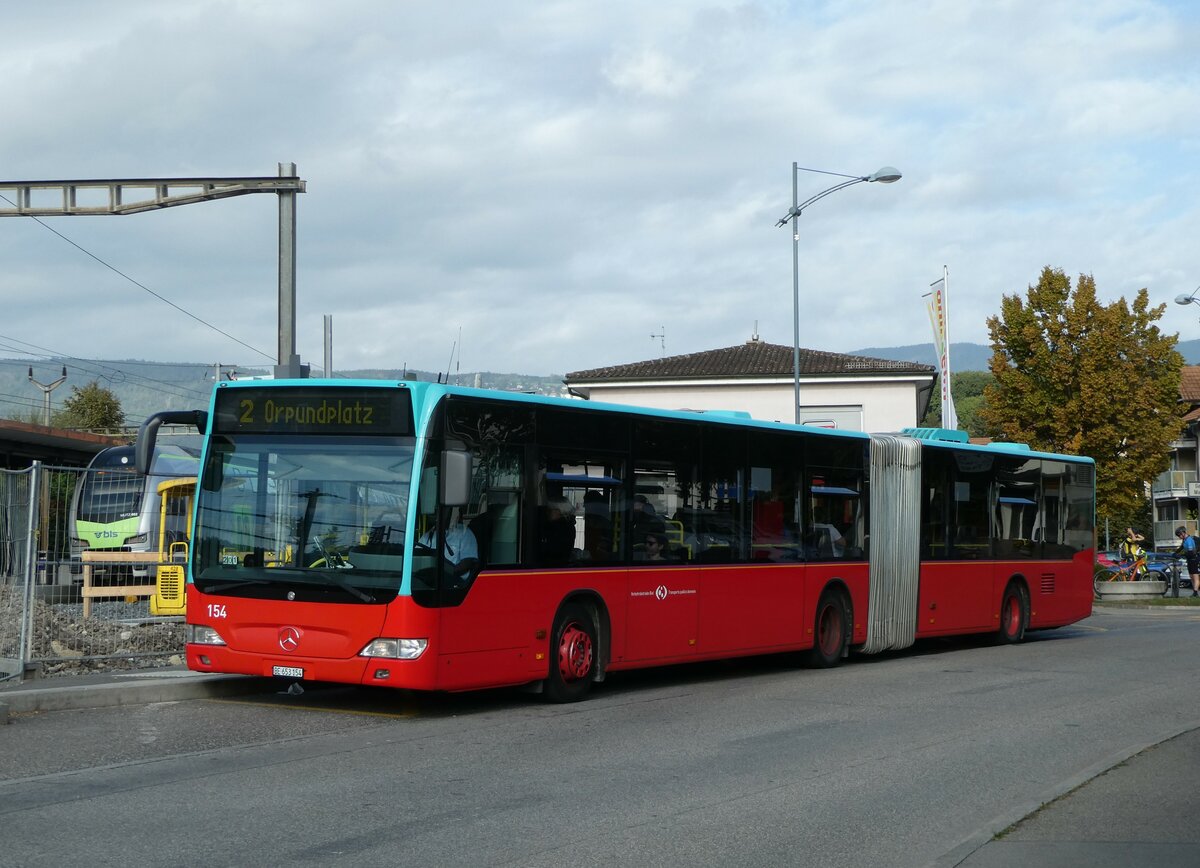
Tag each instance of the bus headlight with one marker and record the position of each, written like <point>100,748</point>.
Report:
<point>395,649</point>
<point>199,634</point>
<point>138,540</point>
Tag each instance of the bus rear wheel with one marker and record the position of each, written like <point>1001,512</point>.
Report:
<point>572,655</point>
<point>830,636</point>
<point>1014,614</point>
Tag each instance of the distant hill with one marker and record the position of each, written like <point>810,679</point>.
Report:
<point>147,387</point>
<point>974,357</point>
<point>963,356</point>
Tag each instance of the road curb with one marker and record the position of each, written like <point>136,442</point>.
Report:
<point>130,692</point>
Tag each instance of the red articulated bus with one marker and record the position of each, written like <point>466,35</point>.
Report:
<point>423,536</point>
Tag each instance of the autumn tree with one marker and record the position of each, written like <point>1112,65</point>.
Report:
<point>966,387</point>
<point>1077,376</point>
<point>92,407</point>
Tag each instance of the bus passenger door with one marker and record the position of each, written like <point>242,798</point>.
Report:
<point>663,582</point>
<point>662,612</point>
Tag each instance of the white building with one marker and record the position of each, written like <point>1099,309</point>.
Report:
<point>836,390</point>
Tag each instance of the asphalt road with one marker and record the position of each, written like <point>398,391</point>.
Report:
<point>892,760</point>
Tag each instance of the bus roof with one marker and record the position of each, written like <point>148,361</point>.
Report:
<point>426,394</point>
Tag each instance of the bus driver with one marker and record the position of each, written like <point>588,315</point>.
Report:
<point>460,547</point>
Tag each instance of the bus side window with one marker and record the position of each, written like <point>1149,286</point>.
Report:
<point>579,513</point>
<point>505,531</point>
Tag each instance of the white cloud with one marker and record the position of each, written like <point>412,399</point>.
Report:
<point>562,180</point>
<point>648,72</point>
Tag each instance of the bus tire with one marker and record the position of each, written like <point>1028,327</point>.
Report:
<point>1014,614</point>
<point>573,649</point>
<point>831,635</point>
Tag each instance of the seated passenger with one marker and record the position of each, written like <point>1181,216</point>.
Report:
<point>644,514</point>
<point>828,540</point>
<point>655,546</point>
<point>597,527</point>
<point>557,533</point>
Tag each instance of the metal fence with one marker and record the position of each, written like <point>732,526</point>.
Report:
<point>43,628</point>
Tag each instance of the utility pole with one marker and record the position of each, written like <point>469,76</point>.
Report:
<point>47,388</point>
<point>136,195</point>
<point>328,345</point>
<point>220,373</point>
<point>288,366</point>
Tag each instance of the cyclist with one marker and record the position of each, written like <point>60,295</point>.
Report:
<point>1187,548</point>
<point>1131,551</point>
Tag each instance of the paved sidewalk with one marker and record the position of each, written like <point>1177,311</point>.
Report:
<point>131,687</point>
<point>1132,813</point>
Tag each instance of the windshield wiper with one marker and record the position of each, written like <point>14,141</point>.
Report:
<point>339,583</point>
<point>226,586</point>
<point>353,591</point>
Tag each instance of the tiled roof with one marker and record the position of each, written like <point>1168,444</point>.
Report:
<point>1189,384</point>
<point>749,360</point>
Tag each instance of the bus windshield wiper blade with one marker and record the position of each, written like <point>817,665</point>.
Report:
<point>226,586</point>
<point>353,591</point>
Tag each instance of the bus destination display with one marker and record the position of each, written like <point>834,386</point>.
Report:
<point>314,411</point>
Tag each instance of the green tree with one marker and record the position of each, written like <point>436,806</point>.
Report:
<point>967,388</point>
<point>92,407</point>
<point>1074,375</point>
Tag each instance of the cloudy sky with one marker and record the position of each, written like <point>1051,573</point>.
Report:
<point>575,184</point>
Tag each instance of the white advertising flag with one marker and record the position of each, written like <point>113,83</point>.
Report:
<point>935,301</point>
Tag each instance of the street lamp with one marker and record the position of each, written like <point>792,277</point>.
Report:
<point>1188,299</point>
<point>886,175</point>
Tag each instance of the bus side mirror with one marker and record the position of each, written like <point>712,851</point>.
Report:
<point>456,478</point>
<point>143,454</point>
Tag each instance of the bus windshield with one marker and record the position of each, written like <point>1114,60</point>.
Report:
<point>305,515</point>
<point>113,491</point>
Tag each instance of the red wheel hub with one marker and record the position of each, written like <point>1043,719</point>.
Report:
<point>1012,615</point>
<point>829,636</point>
<point>574,653</point>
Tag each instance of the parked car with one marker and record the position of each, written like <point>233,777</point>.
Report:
<point>1160,566</point>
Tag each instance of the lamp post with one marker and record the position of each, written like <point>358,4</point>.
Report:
<point>886,175</point>
<point>1185,300</point>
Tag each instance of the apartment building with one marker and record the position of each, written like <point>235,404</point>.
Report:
<point>1176,492</point>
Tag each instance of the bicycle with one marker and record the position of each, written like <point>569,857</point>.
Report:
<point>1175,578</point>
<point>1126,571</point>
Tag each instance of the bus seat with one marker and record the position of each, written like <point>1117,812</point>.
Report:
<point>674,531</point>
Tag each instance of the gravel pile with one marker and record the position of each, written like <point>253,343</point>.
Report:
<point>118,636</point>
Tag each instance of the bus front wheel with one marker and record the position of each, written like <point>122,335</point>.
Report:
<point>830,636</point>
<point>572,654</point>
